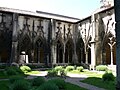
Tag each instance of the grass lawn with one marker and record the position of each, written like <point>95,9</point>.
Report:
<point>95,78</point>
<point>4,86</point>
<point>2,75</point>
<point>87,73</point>
<point>32,72</point>
<point>108,85</point>
<point>73,87</point>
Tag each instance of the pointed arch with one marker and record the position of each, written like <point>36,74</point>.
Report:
<point>40,52</point>
<point>108,50</point>
<point>59,50</point>
<point>24,45</point>
<point>69,51</point>
<point>80,50</point>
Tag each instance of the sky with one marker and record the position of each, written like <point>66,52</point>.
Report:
<point>73,8</point>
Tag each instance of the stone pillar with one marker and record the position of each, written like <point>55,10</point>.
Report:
<point>93,60</point>
<point>14,39</point>
<point>54,54</point>
<point>53,47</point>
<point>38,54</point>
<point>86,57</point>
<point>117,29</point>
<point>64,53</point>
<point>111,50</point>
<point>81,49</point>
<point>75,58</point>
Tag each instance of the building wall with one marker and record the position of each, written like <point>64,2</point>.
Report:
<point>33,39</point>
<point>96,31</point>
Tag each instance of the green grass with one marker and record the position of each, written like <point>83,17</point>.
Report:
<point>4,85</point>
<point>95,78</point>
<point>87,73</point>
<point>2,75</point>
<point>91,74</point>
<point>108,85</point>
<point>32,72</point>
<point>70,86</point>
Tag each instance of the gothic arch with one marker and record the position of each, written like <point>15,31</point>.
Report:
<point>5,37</point>
<point>5,46</point>
<point>69,51</point>
<point>80,50</point>
<point>59,49</point>
<point>40,50</point>
<point>108,50</point>
<point>25,45</point>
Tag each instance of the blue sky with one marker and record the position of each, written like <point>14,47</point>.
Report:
<point>73,8</point>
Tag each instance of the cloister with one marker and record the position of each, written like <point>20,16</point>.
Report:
<point>49,39</point>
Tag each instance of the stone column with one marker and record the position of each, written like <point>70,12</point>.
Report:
<point>93,61</point>
<point>81,50</point>
<point>54,54</point>
<point>64,53</point>
<point>53,46</point>
<point>111,50</point>
<point>86,57</point>
<point>38,54</point>
<point>117,29</point>
<point>14,39</point>
<point>75,58</point>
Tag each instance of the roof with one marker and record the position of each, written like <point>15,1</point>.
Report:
<point>41,14</point>
<point>99,10</point>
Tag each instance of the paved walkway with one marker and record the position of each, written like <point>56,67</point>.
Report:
<point>74,79</point>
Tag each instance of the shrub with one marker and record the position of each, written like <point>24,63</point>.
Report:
<point>21,85</point>
<point>18,70</point>
<point>25,69</point>
<point>15,78</point>
<point>108,77</point>
<point>101,68</point>
<point>58,68</point>
<point>80,68</point>
<point>59,82</point>
<point>52,73</point>
<point>38,81</point>
<point>62,73</point>
<point>2,66</point>
<point>11,71</point>
<point>69,68</point>
<point>48,86</point>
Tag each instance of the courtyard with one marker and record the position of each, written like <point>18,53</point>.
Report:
<point>73,78</point>
<point>46,51</point>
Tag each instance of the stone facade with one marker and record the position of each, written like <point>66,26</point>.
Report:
<point>44,38</point>
<point>98,35</point>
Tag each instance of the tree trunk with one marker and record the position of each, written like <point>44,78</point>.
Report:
<point>117,29</point>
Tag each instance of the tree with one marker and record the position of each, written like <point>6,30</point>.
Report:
<point>117,19</point>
